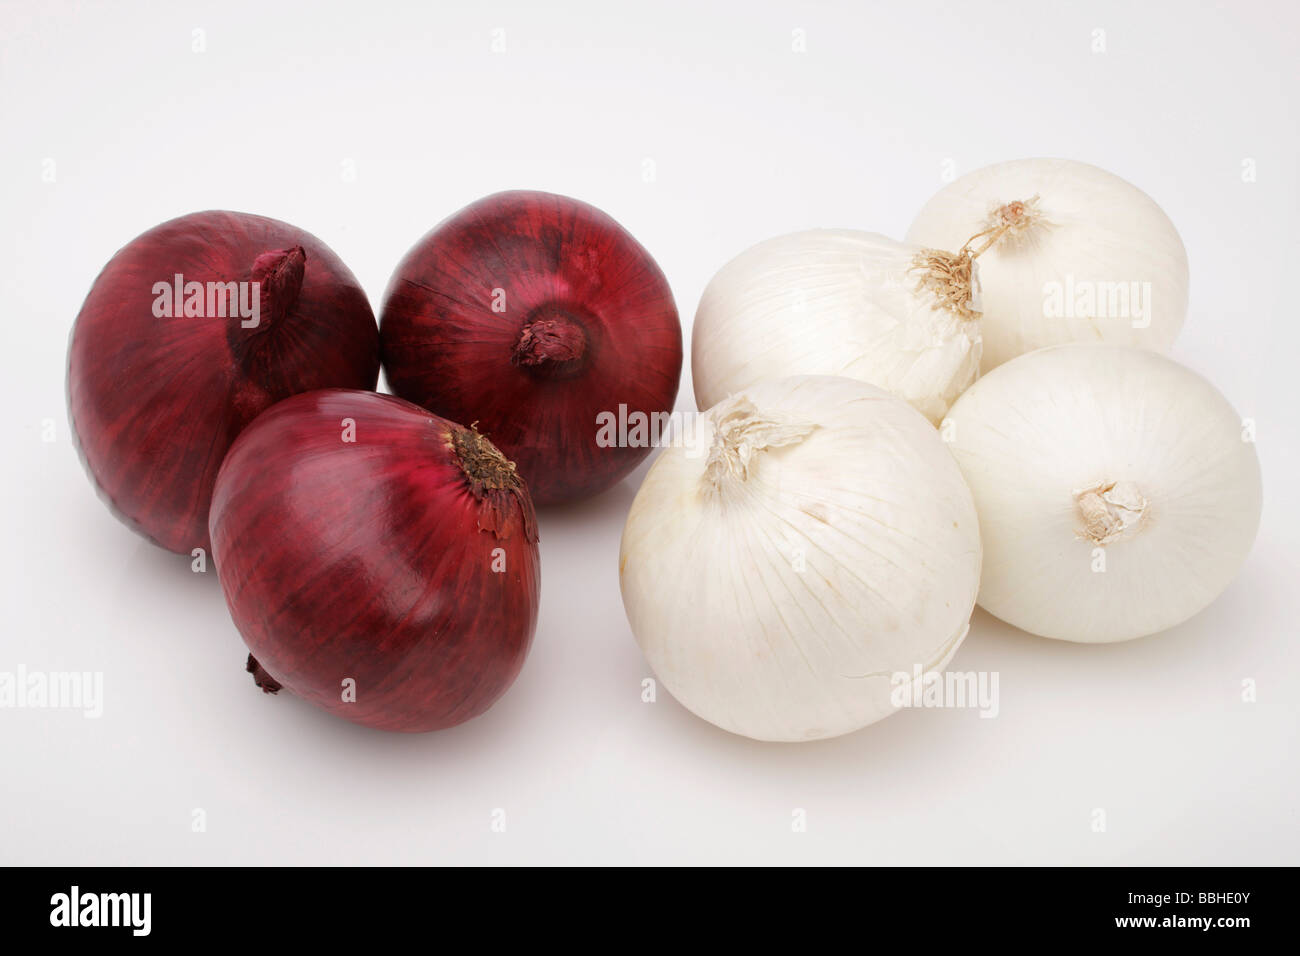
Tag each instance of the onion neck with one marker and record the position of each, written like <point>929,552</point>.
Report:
<point>952,277</point>
<point>1006,223</point>
<point>261,678</point>
<point>492,479</point>
<point>552,342</point>
<point>740,433</point>
<point>1111,511</point>
<point>277,282</point>
<point>278,275</point>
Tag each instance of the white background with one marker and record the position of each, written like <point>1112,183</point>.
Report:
<point>748,139</point>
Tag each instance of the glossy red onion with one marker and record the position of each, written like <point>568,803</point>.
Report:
<point>360,537</point>
<point>532,314</point>
<point>157,395</point>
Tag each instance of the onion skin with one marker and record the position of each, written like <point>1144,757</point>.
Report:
<point>588,324</point>
<point>373,559</point>
<point>156,402</point>
<point>838,302</point>
<point>818,541</point>
<point>1063,224</point>
<point>1080,454</point>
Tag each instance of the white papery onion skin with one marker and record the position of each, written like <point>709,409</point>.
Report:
<point>832,302</point>
<point>1084,231</point>
<point>814,541</point>
<point>1089,457</point>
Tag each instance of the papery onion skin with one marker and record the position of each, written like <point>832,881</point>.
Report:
<point>380,560</point>
<point>585,322</point>
<point>832,302</point>
<point>1087,231</point>
<point>842,549</point>
<point>1039,435</point>
<point>155,402</point>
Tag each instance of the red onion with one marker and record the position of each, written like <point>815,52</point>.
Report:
<point>531,314</point>
<point>157,393</point>
<point>358,537</point>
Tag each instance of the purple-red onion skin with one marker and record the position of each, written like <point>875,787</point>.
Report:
<point>375,560</point>
<point>531,314</point>
<point>155,402</point>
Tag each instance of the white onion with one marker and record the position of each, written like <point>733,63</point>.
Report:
<point>823,544</point>
<point>839,302</point>
<point>1079,255</point>
<point>1118,492</point>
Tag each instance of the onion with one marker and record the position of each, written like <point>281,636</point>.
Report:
<point>839,302</point>
<point>379,562</point>
<point>1075,254</point>
<point>160,383</point>
<point>1117,492</point>
<point>533,315</point>
<point>825,545</point>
